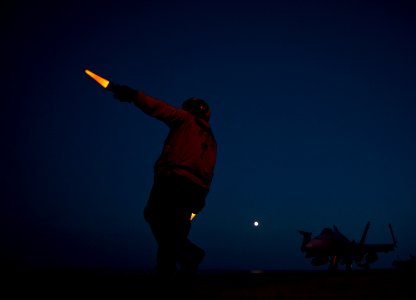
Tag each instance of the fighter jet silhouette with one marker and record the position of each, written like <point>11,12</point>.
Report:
<point>333,248</point>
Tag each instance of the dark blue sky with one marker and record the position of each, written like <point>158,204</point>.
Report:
<point>313,109</point>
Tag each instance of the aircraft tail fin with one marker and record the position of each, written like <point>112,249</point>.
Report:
<point>364,235</point>
<point>392,236</point>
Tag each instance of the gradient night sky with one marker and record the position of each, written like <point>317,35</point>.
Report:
<point>314,106</point>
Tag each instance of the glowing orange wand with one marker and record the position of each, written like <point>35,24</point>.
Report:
<point>102,81</point>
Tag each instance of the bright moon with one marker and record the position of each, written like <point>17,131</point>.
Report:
<point>256,223</point>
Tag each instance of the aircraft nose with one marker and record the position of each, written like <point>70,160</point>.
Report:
<point>316,243</point>
<point>311,244</point>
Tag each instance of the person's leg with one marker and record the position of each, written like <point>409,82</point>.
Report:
<point>171,201</point>
<point>191,258</point>
<point>189,255</point>
<point>159,216</point>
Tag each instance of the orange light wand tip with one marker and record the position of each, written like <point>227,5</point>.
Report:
<point>102,81</point>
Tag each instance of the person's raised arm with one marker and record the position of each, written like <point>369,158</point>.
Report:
<point>148,104</point>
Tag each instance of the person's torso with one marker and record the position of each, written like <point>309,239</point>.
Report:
<point>189,150</point>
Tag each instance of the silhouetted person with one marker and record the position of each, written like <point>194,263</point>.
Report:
<point>182,177</point>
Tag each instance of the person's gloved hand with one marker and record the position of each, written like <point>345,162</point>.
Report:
<point>123,93</point>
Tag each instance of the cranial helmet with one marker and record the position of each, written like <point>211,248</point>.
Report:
<point>197,107</point>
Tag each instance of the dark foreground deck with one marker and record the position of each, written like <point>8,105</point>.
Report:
<point>59,283</point>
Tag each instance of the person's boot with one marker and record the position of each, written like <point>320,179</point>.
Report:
<point>189,265</point>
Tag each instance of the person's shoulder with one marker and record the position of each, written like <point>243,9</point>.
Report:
<point>201,122</point>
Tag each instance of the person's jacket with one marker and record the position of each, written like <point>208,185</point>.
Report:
<point>190,148</point>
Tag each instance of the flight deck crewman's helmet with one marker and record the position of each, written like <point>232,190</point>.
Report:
<point>197,107</point>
